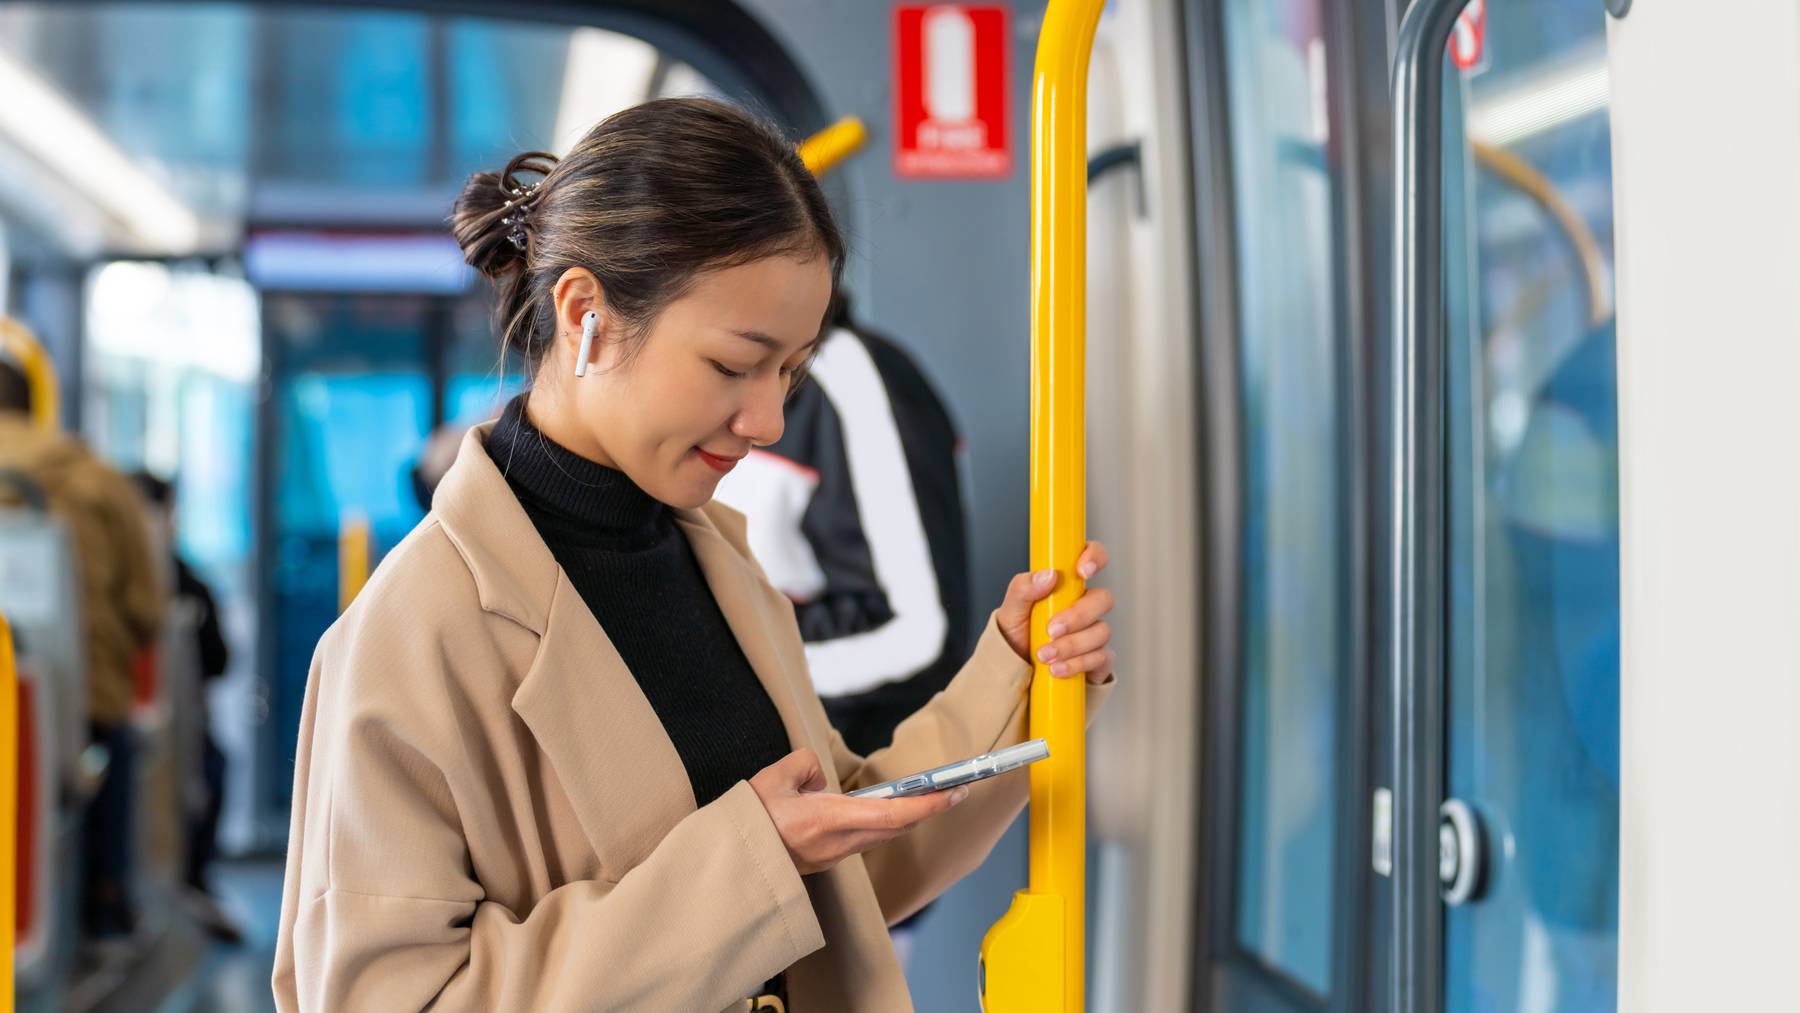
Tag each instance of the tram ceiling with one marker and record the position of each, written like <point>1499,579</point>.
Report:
<point>172,130</point>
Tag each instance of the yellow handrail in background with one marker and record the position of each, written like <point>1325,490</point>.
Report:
<point>824,150</point>
<point>353,558</point>
<point>19,344</point>
<point>9,811</point>
<point>1034,958</point>
<point>1531,181</point>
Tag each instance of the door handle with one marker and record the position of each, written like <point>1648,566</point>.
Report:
<point>1460,852</point>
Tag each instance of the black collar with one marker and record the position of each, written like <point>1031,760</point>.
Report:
<point>558,485</point>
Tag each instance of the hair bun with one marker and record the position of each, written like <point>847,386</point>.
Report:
<point>492,218</point>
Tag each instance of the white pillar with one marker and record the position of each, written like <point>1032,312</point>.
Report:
<point>1706,150</point>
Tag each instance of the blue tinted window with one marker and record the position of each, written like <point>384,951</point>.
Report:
<point>1533,682</point>
<point>330,468</point>
<point>1292,635</point>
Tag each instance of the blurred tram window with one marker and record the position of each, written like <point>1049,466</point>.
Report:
<point>347,368</point>
<point>1533,607</point>
<point>1293,626</point>
<point>172,369</point>
<point>477,382</point>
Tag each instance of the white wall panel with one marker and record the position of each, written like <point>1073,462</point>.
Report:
<point>1706,145</point>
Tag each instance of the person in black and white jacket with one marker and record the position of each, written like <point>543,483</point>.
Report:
<point>856,513</point>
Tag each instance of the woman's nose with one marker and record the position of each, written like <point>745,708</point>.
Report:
<point>761,419</point>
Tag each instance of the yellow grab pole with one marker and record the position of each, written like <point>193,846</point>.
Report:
<point>1033,959</point>
<point>23,347</point>
<point>9,812</point>
<point>353,558</point>
<point>824,150</point>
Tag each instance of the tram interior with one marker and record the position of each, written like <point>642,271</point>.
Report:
<point>225,225</point>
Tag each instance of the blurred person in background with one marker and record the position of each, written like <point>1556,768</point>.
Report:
<point>122,612</point>
<point>196,610</point>
<point>562,751</point>
<point>856,515</point>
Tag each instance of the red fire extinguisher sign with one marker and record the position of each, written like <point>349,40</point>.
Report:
<point>951,92</point>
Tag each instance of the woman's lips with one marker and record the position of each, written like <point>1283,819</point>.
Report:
<point>717,463</point>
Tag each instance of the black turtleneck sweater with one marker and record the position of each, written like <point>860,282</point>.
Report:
<point>635,570</point>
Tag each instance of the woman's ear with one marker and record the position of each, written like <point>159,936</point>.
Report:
<point>576,294</point>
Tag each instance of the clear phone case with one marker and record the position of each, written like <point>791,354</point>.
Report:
<point>962,772</point>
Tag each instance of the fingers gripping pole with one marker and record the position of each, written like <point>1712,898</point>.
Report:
<point>1033,958</point>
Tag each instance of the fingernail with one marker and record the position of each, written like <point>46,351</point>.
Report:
<point>958,795</point>
<point>1047,654</point>
<point>1087,570</point>
<point>1056,630</point>
<point>1045,576</point>
<point>1060,669</point>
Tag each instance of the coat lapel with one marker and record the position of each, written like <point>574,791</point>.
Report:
<point>621,772</point>
<point>612,757</point>
<point>616,765</point>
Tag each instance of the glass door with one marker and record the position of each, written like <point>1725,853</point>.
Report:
<point>1277,127</point>
<point>1532,648</point>
<point>1502,625</point>
<point>1292,628</point>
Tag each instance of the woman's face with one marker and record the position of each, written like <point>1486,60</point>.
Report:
<point>708,382</point>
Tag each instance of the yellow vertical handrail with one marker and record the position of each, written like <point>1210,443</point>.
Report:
<point>9,812</point>
<point>1034,959</point>
<point>353,558</point>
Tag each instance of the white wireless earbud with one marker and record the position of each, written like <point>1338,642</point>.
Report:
<point>589,322</point>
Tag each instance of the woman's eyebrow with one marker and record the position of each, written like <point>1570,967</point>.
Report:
<point>758,337</point>
<point>768,342</point>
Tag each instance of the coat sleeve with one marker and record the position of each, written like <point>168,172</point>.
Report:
<point>382,909</point>
<point>983,708</point>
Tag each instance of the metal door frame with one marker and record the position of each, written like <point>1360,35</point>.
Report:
<point>1415,610</point>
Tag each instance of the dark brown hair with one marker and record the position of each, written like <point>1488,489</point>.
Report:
<point>652,197</point>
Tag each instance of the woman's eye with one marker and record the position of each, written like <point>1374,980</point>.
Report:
<point>727,372</point>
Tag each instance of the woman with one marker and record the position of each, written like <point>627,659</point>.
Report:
<point>562,752</point>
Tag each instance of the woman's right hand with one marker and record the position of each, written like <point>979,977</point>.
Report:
<point>822,828</point>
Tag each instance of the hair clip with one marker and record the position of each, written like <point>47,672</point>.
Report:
<point>515,221</point>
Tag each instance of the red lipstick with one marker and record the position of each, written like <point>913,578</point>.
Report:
<point>717,463</point>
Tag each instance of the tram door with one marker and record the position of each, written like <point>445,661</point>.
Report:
<point>1529,838</point>
<point>1309,903</point>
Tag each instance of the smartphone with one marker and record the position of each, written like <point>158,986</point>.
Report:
<point>950,775</point>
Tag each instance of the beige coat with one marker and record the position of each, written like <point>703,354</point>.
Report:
<point>489,816</point>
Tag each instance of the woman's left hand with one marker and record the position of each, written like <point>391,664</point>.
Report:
<point>1079,637</point>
